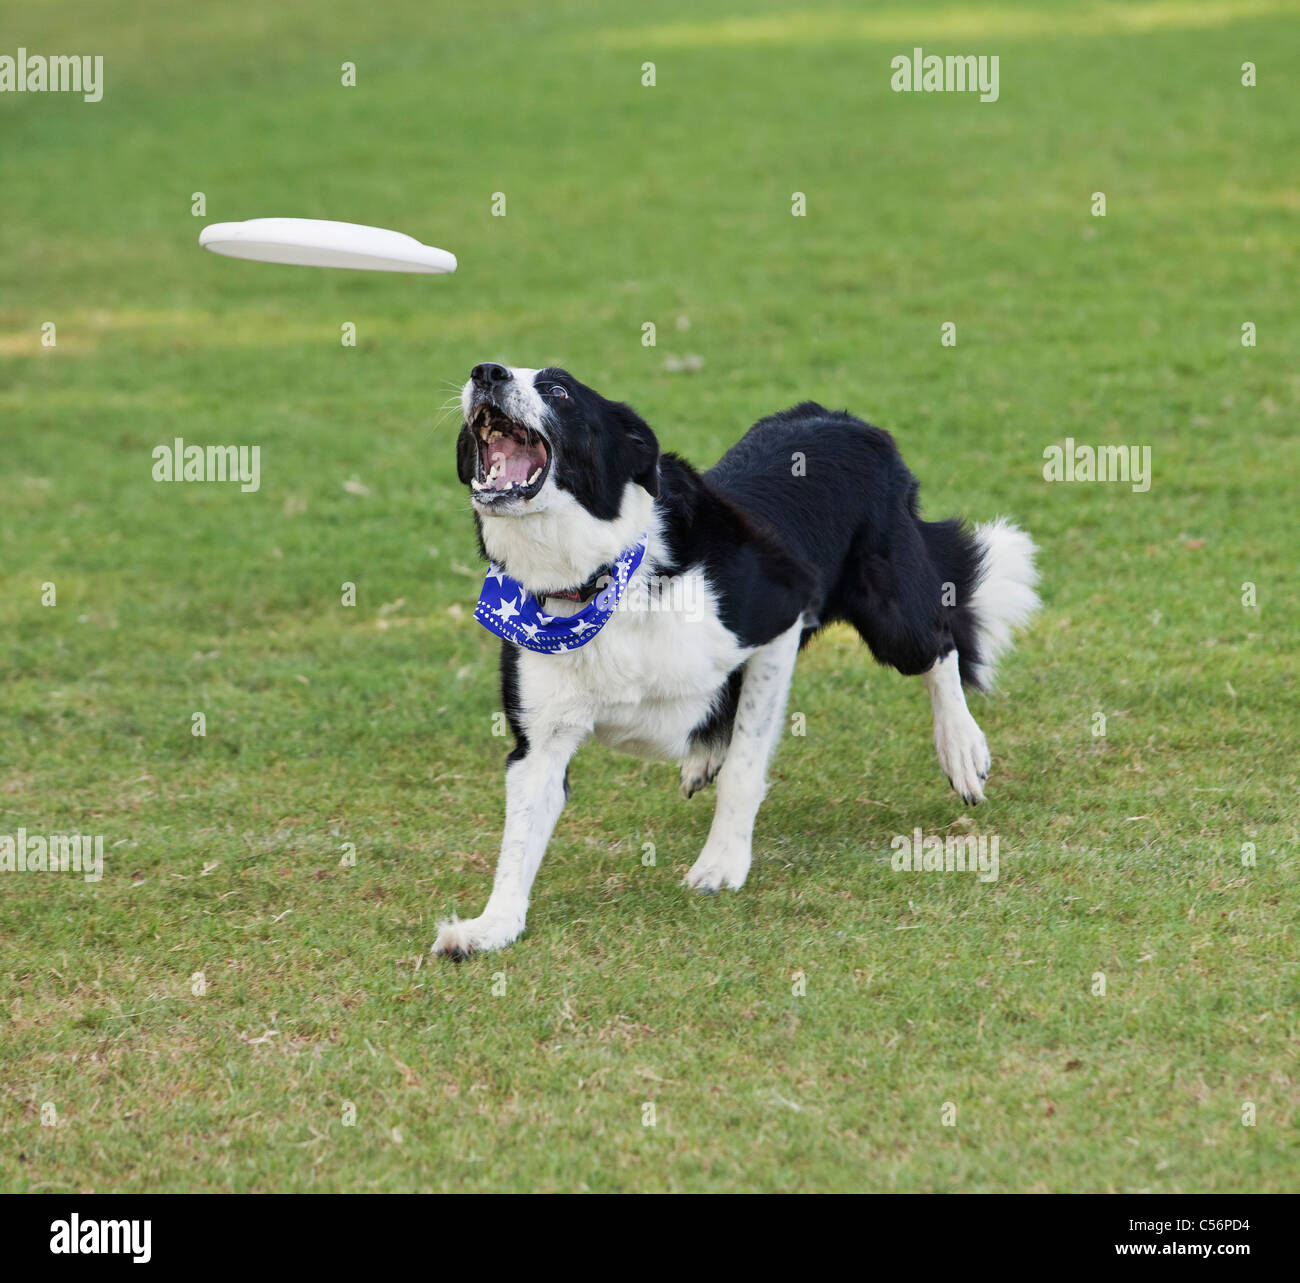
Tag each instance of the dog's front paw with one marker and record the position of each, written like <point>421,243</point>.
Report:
<point>457,940</point>
<point>720,866</point>
<point>964,756</point>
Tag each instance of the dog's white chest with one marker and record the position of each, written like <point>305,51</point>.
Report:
<point>648,679</point>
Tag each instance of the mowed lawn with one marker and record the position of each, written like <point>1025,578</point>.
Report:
<point>837,1025</point>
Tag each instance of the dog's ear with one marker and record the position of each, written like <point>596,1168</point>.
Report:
<point>643,449</point>
<point>466,456</point>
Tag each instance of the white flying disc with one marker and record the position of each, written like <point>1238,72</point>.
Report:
<point>318,242</point>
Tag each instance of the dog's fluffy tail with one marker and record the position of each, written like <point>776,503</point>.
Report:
<point>1003,598</point>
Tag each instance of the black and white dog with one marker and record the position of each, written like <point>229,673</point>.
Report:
<point>662,610</point>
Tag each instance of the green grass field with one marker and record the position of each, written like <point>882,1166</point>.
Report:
<point>806,1033</point>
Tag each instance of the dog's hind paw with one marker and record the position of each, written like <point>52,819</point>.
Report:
<point>964,756</point>
<point>699,769</point>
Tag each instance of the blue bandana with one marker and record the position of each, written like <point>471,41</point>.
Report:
<point>507,608</point>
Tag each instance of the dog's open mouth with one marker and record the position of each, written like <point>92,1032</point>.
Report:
<point>513,460</point>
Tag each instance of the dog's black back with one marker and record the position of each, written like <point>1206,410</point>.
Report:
<point>835,507</point>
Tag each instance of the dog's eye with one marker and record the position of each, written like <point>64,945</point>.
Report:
<point>557,392</point>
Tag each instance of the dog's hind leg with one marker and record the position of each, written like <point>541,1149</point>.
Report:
<point>995,597</point>
<point>711,739</point>
<point>942,601</point>
<point>963,750</point>
<point>742,781</point>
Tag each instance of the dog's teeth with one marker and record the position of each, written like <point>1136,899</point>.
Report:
<point>534,477</point>
<point>476,484</point>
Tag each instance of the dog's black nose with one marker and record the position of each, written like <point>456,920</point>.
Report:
<point>487,374</point>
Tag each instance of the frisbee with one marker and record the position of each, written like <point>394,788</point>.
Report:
<point>318,242</point>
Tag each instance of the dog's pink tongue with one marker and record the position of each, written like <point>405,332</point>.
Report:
<point>514,462</point>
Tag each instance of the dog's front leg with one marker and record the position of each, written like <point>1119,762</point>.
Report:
<point>534,800</point>
<point>742,781</point>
